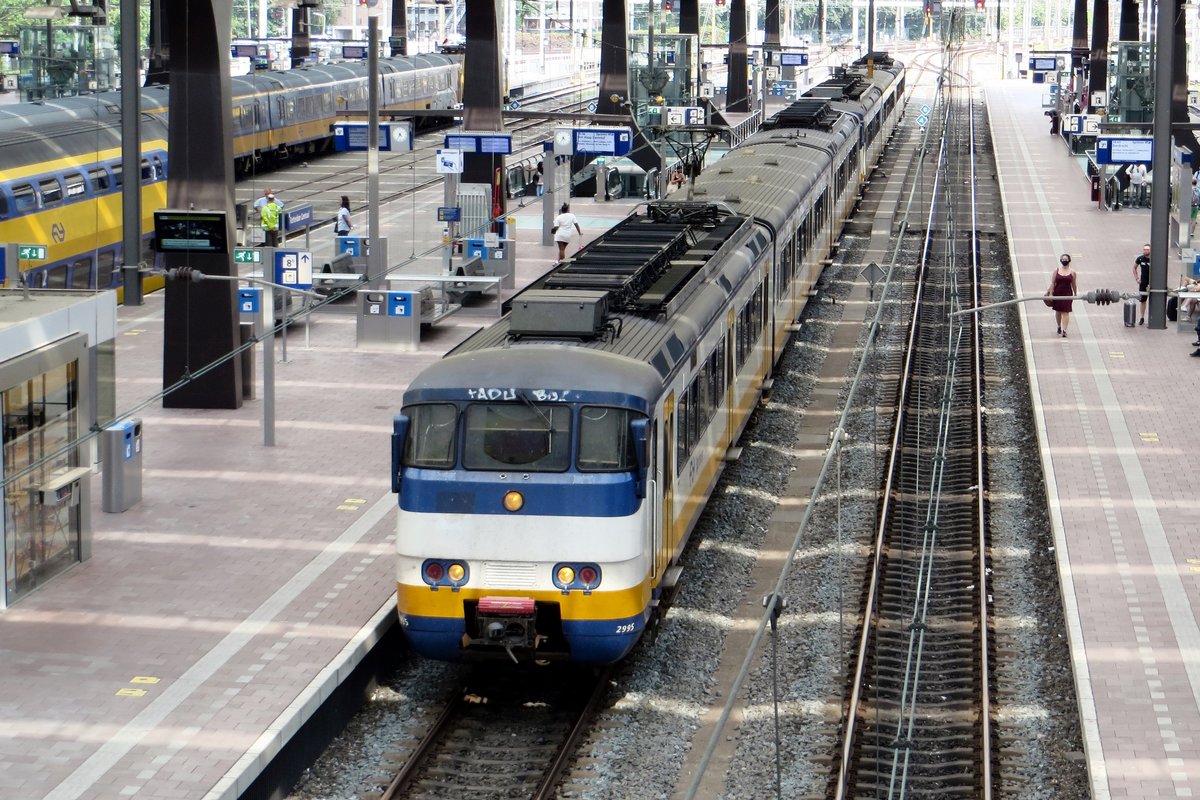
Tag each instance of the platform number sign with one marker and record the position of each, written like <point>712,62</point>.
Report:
<point>293,268</point>
<point>922,120</point>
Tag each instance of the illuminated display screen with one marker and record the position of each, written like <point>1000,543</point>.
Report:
<point>191,232</point>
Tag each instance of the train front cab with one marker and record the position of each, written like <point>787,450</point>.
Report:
<point>525,532</point>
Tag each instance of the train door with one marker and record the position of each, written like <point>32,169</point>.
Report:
<point>731,398</point>
<point>666,495</point>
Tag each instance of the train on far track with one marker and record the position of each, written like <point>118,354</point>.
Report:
<point>60,160</point>
<point>551,468</point>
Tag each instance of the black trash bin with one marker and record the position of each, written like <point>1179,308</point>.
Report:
<point>1096,188</point>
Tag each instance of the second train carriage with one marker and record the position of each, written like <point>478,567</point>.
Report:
<point>551,468</point>
<point>60,160</point>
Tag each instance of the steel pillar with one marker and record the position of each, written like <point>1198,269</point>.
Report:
<point>771,24</point>
<point>1179,81</point>
<point>737,96</point>
<point>131,162</point>
<point>201,320</point>
<point>1098,63</point>
<point>482,96</point>
<point>398,41</point>
<point>614,61</point>
<point>1128,28</point>
<point>689,16</point>
<point>1160,190</point>
<point>158,70</point>
<point>301,42</point>
<point>1079,43</point>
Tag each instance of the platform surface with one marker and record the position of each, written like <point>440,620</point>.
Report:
<point>1113,406</point>
<point>215,614</point>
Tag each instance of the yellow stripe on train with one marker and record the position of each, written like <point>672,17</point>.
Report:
<point>423,601</point>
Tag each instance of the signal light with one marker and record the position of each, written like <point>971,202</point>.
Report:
<point>720,2</point>
<point>979,5</point>
<point>668,5</point>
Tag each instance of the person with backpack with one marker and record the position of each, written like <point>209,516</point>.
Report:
<point>269,218</point>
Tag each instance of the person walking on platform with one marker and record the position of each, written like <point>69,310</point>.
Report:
<point>1054,121</point>
<point>269,219</point>
<point>1137,185</point>
<point>562,229</point>
<point>342,225</point>
<point>1141,274</point>
<point>1062,284</point>
<point>539,176</point>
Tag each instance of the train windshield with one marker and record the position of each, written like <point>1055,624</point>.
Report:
<point>605,441</point>
<point>535,437</point>
<point>431,431</point>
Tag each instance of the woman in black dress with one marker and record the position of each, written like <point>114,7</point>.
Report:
<point>1062,284</point>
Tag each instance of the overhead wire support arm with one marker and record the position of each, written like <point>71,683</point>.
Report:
<point>1100,297</point>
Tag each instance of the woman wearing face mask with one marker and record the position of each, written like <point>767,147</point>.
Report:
<point>1062,284</point>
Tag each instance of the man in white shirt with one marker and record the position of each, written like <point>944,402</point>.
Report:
<point>1137,185</point>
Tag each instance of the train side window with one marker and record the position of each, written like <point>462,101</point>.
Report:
<point>56,277</point>
<point>160,169</point>
<point>431,436</point>
<point>24,199</point>
<point>534,437</point>
<point>118,174</point>
<point>106,265</point>
<point>100,180</point>
<point>76,186</point>
<point>604,441</point>
<point>51,191</point>
<point>147,171</point>
<point>3,206</point>
<point>81,273</point>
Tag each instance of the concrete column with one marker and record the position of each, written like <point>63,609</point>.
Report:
<point>614,61</point>
<point>301,42</point>
<point>771,27</point>
<point>1079,42</point>
<point>157,72</point>
<point>201,320</point>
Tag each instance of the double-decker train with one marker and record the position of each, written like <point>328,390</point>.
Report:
<point>60,160</point>
<point>551,468</point>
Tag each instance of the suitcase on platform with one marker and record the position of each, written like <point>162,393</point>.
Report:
<point>1130,311</point>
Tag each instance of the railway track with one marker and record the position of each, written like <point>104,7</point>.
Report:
<point>502,736</point>
<point>918,719</point>
<point>402,174</point>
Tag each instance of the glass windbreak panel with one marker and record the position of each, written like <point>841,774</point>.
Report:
<point>605,444</point>
<point>431,436</point>
<point>526,436</point>
<point>41,531</point>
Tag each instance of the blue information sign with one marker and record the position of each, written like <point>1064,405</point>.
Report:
<point>448,214</point>
<point>793,59</point>
<point>1124,150</point>
<point>500,144</point>
<point>354,51</point>
<point>10,48</point>
<point>299,217</point>
<point>355,136</point>
<point>601,141</point>
<point>244,50</point>
<point>293,268</point>
<point>466,144</point>
<point>493,143</point>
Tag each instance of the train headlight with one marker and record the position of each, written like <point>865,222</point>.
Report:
<point>433,572</point>
<point>514,501</point>
<point>588,576</point>
<point>566,576</point>
<point>456,573</point>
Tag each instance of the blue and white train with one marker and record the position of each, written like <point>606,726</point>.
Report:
<point>551,468</point>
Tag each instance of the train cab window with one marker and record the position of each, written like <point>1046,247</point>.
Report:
<point>431,439</point>
<point>604,441</point>
<point>100,180</point>
<point>148,172</point>
<point>76,186</point>
<point>532,436</point>
<point>51,191</point>
<point>160,168</point>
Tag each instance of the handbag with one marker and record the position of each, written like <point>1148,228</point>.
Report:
<point>1048,299</point>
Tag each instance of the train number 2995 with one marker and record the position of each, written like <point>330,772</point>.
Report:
<point>626,628</point>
